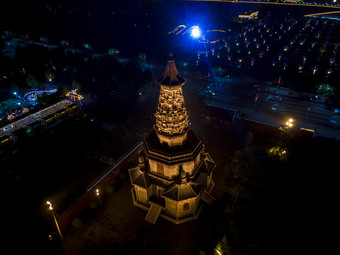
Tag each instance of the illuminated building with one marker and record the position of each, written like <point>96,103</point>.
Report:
<point>174,173</point>
<point>248,16</point>
<point>74,95</point>
<point>292,1</point>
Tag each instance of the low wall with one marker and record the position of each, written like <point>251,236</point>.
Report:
<point>66,218</point>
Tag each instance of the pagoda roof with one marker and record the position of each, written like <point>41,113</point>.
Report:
<point>172,155</point>
<point>208,164</point>
<point>179,192</point>
<point>171,76</point>
<point>139,178</point>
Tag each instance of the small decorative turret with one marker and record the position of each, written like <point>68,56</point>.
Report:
<point>141,163</point>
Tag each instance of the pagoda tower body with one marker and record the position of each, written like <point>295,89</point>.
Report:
<point>174,175</point>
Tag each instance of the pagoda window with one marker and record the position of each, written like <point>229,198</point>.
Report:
<point>186,206</point>
<point>160,168</point>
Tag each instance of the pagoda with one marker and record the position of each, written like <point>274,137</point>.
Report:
<point>173,177</point>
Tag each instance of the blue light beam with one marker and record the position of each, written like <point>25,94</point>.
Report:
<point>195,32</point>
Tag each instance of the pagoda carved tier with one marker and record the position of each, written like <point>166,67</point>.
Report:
<point>172,120</point>
<point>173,176</point>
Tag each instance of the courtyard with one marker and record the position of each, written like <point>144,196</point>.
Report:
<point>114,224</point>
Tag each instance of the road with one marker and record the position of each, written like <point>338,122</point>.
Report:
<point>238,93</point>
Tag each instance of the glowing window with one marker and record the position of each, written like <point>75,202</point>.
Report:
<point>160,168</point>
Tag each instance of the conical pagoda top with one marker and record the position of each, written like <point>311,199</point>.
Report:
<point>172,120</point>
<point>171,76</point>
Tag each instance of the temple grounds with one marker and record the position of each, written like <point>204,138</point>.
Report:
<point>116,225</point>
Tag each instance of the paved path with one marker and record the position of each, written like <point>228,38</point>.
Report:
<point>33,117</point>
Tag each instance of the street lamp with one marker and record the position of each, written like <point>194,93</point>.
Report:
<point>289,123</point>
<point>287,127</point>
<point>98,195</point>
<point>55,219</point>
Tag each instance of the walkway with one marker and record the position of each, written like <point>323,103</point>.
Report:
<point>33,117</point>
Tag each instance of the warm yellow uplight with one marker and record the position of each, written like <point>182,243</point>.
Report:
<point>277,151</point>
<point>289,123</point>
<point>50,205</point>
<point>98,195</point>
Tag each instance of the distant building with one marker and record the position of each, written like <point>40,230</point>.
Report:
<point>248,16</point>
<point>174,175</point>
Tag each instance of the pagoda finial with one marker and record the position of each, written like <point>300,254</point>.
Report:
<point>171,76</point>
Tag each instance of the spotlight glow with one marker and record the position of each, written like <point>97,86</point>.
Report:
<point>195,32</point>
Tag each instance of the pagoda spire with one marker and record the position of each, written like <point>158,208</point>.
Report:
<point>172,120</point>
<point>171,76</point>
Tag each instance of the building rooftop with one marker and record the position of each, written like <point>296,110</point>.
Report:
<point>179,192</point>
<point>139,178</point>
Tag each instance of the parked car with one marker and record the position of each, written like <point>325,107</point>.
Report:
<point>274,98</point>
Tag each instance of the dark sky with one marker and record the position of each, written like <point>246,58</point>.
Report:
<point>132,26</point>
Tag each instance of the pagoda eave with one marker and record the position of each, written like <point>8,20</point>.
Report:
<point>172,155</point>
<point>172,140</point>
<point>171,87</point>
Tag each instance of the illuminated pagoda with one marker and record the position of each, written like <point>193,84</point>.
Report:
<point>174,172</point>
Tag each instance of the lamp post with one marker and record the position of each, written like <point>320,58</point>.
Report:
<point>287,127</point>
<point>98,195</point>
<point>289,123</point>
<point>55,219</point>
